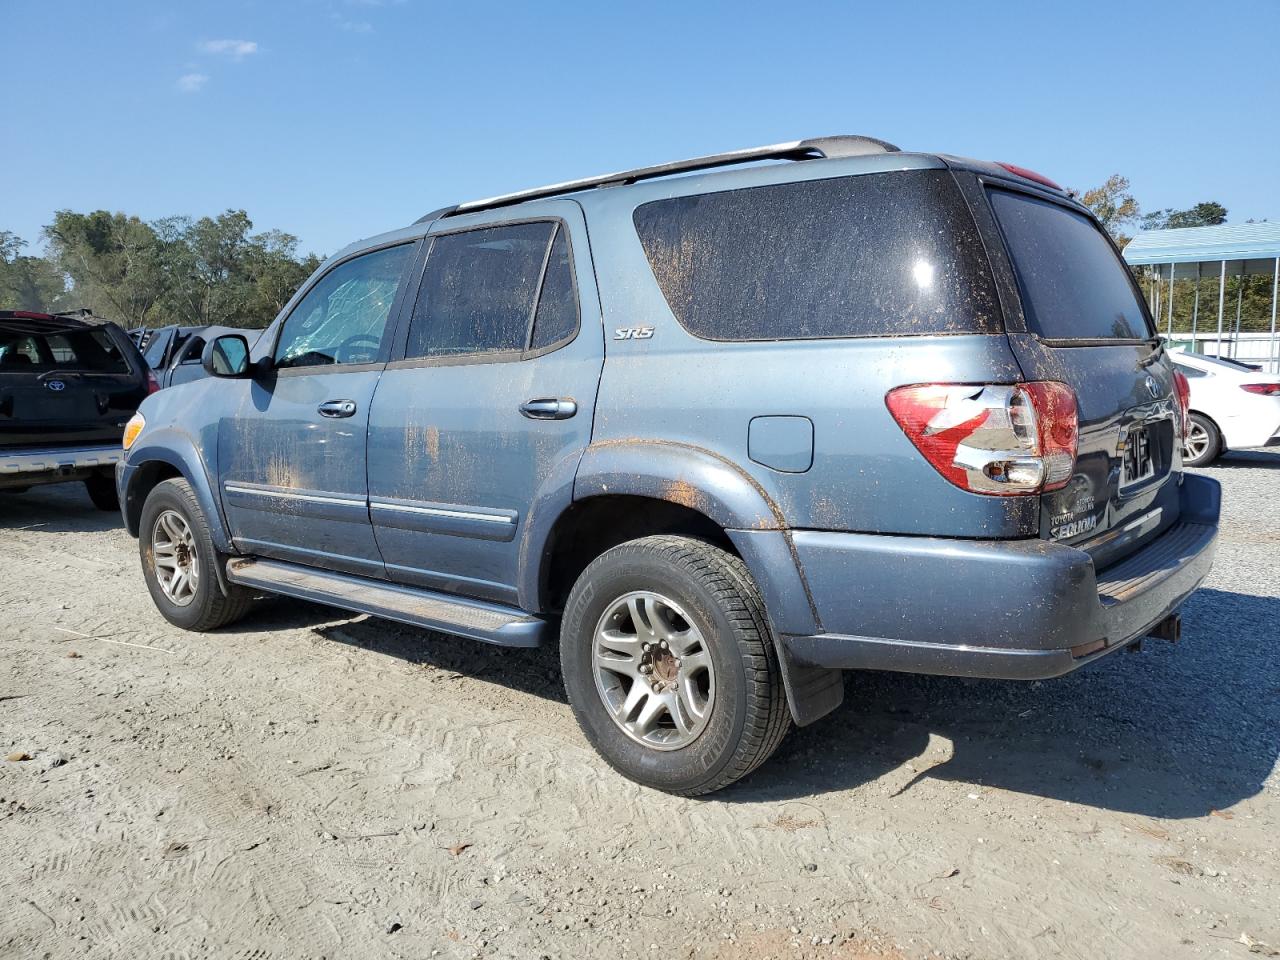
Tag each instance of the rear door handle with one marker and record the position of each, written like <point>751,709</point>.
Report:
<point>337,408</point>
<point>549,409</point>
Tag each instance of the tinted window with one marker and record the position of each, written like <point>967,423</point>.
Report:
<point>478,291</point>
<point>1073,285</point>
<point>155,349</point>
<point>90,351</point>
<point>1189,370</point>
<point>343,318</point>
<point>855,256</point>
<point>556,318</point>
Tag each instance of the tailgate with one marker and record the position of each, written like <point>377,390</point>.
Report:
<point>65,388</point>
<point>1084,322</point>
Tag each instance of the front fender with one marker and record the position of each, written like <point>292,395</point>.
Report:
<point>176,450</point>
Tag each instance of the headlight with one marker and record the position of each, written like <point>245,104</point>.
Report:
<point>133,428</point>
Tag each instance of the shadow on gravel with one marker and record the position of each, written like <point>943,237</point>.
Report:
<point>1172,732</point>
<point>534,671</point>
<point>54,508</point>
<point>1235,459</point>
<point>1175,731</point>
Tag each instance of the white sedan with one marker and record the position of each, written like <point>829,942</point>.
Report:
<point>1232,406</point>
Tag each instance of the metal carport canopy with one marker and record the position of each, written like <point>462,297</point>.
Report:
<point>1256,244</point>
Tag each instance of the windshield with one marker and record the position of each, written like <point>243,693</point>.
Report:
<point>1073,285</point>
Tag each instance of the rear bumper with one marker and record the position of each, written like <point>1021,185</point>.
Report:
<point>52,461</point>
<point>1001,609</point>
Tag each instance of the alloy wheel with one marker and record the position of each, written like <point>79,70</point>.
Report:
<point>1195,443</point>
<point>177,562</point>
<point>653,670</point>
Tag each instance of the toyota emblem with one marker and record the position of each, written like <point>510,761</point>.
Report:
<point>1152,387</point>
<point>55,385</point>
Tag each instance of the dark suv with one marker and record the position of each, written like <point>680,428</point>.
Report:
<point>67,388</point>
<point>722,435</point>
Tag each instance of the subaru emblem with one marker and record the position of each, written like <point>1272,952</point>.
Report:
<point>55,385</point>
<point>1152,387</point>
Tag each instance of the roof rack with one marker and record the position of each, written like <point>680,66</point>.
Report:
<point>817,148</point>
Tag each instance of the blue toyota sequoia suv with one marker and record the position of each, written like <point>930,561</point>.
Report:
<point>723,435</point>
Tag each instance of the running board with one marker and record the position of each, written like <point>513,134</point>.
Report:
<point>489,622</point>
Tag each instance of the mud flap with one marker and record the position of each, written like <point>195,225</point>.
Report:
<point>812,692</point>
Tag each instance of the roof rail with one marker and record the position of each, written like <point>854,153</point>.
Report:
<point>817,148</point>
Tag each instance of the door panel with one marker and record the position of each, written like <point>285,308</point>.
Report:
<point>292,457</point>
<point>454,464</point>
<point>293,480</point>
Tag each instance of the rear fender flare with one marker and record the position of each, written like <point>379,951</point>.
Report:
<point>680,473</point>
<point>709,484</point>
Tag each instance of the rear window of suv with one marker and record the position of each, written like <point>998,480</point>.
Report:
<point>1073,285</point>
<point>85,351</point>
<point>881,254</point>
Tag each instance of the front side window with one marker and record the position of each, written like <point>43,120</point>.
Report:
<point>482,289</point>
<point>343,318</point>
<point>882,254</point>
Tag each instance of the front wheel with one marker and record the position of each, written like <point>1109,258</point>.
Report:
<point>670,666</point>
<point>1203,442</point>
<point>179,561</point>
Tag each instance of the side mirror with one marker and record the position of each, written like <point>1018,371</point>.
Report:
<point>226,356</point>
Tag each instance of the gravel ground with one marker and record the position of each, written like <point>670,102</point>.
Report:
<point>307,784</point>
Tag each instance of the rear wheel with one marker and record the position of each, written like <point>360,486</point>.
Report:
<point>670,667</point>
<point>1203,442</point>
<point>102,491</point>
<point>179,561</point>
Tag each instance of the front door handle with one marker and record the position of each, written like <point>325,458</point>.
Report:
<point>549,409</point>
<point>337,408</point>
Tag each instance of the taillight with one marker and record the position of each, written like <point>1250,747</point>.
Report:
<point>1262,389</point>
<point>1182,390</point>
<point>1000,440</point>
<point>1026,174</point>
<point>152,383</point>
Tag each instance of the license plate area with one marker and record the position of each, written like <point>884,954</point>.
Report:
<point>1139,461</point>
<point>1145,453</point>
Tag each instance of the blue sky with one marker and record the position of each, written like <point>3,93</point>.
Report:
<point>336,119</point>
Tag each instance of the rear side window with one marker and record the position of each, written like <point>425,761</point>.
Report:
<point>483,289</point>
<point>85,351</point>
<point>557,316</point>
<point>872,255</point>
<point>1073,285</point>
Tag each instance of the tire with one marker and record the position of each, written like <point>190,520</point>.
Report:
<point>690,589</point>
<point>1206,432</point>
<point>102,491</point>
<point>205,606</point>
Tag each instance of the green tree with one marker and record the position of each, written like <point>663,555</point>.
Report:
<point>114,261</point>
<point>27,282</point>
<point>1206,214</point>
<point>1113,205</point>
<point>213,270</point>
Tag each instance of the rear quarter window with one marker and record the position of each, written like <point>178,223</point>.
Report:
<point>1073,285</point>
<point>883,254</point>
